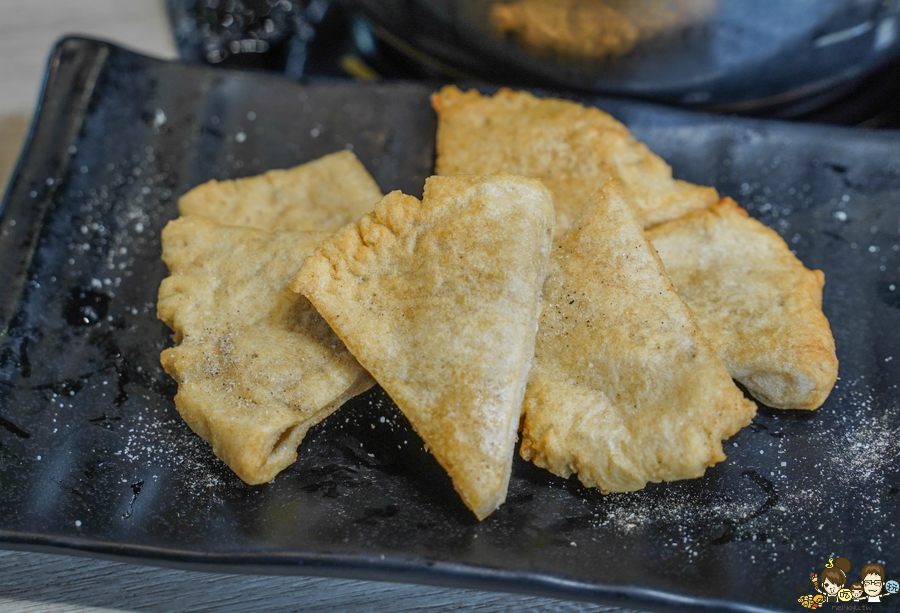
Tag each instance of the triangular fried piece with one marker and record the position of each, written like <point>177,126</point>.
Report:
<point>439,299</point>
<point>624,390</point>
<point>325,194</point>
<point>758,305</point>
<point>573,149</point>
<point>256,365</point>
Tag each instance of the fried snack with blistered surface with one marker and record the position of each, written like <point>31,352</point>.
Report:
<point>438,299</point>
<point>325,194</point>
<point>759,306</point>
<point>573,149</point>
<point>624,389</point>
<point>256,365</point>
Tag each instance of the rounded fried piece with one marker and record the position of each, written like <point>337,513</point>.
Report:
<point>256,365</point>
<point>324,194</point>
<point>573,149</point>
<point>759,306</point>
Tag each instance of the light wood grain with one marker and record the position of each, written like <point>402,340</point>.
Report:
<point>12,133</point>
<point>28,31</point>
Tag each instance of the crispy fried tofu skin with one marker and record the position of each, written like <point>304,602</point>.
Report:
<point>324,194</point>
<point>256,365</point>
<point>760,307</point>
<point>573,149</point>
<point>624,389</point>
<point>439,300</point>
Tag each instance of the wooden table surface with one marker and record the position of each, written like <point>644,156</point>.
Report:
<point>28,30</point>
<point>42,583</point>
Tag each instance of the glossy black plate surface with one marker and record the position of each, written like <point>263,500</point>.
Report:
<point>95,459</point>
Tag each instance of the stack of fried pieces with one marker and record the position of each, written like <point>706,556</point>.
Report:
<point>554,280</point>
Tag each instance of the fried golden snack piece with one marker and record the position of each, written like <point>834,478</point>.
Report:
<point>573,149</point>
<point>568,28</point>
<point>624,389</point>
<point>757,304</point>
<point>325,194</point>
<point>592,30</point>
<point>439,300</point>
<point>256,365</point>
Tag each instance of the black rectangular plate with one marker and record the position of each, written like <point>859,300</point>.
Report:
<point>95,459</point>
